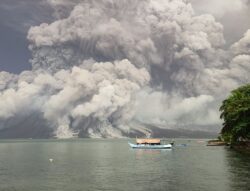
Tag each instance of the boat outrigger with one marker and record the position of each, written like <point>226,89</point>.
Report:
<point>150,144</point>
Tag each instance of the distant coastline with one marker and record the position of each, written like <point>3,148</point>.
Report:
<point>41,132</point>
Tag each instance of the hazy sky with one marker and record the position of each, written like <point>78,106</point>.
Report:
<point>17,16</point>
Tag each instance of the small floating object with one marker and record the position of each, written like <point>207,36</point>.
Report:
<point>182,145</point>
<point>50,160</point>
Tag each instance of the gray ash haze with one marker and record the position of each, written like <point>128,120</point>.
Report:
<point>102,68</point>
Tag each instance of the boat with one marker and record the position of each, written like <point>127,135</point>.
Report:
<point>149,144</point>
<point>216,143</point>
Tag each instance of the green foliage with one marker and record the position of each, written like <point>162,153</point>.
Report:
<point>235,110</point>
<point>227,137</point>
<point>220,138</point>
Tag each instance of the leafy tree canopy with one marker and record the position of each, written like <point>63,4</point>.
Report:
<point>235,111</point>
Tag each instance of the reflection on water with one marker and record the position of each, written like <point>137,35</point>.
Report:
<point>150,154</point>
<point>239,167</point>
<point>98,164</point>
<point>143,152</point>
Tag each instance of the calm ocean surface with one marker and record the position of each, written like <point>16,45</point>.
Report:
<point>98,164</point>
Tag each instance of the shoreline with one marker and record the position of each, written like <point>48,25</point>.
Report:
<point>242,146</point>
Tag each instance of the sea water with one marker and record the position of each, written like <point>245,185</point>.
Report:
<point>109,164</point>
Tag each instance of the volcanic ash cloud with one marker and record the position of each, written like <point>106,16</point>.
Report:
<point>102,64</point>
<point>103,91</point>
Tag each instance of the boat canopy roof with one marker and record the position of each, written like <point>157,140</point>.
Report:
<point>148,141</point>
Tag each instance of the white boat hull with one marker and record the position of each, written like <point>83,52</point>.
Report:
<point>147,146</point>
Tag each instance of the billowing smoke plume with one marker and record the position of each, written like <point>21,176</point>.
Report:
<point>92,91</point>
<point>102,64</point>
